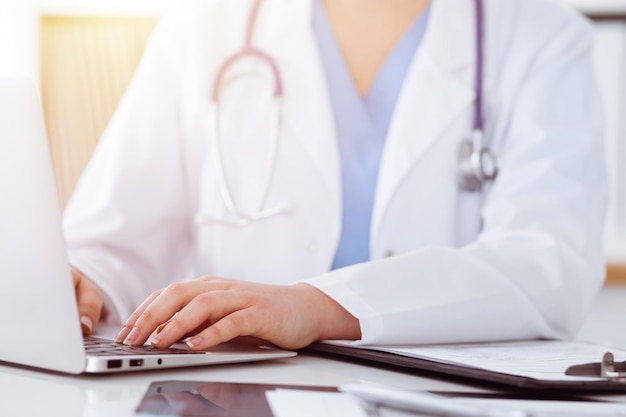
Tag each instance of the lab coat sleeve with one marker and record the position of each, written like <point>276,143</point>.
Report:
<point>537,265</point>
<point>126,223</point>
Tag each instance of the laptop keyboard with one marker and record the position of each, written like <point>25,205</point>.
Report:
<point>102,347</point>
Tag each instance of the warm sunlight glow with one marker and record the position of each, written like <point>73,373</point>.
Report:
<point>86,64</point>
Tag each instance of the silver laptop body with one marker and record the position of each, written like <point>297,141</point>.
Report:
<point>38,310</point>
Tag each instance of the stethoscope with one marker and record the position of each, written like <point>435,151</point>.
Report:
<point>236,216</point>
<point>476,162</point>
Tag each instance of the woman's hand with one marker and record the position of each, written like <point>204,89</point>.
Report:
<point>89,301</point>
<point>213,310</point>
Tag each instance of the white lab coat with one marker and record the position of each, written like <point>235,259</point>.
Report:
<point>523,259</point>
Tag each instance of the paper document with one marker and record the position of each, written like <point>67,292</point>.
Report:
<point>542,360</point>
<point>296,403</point>
<point>421,403</point>
<point>541,408</point>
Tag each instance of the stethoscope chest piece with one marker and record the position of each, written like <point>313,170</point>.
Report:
<point>476,164</point>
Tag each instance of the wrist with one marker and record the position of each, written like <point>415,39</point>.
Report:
<point>333,322</point>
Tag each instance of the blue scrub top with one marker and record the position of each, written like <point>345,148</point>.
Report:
<point>362,124</point>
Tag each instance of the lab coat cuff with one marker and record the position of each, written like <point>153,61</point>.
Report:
<point>110,306</point>
<point>370,321</point>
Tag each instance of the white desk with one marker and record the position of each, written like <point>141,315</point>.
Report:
<point>25,392</point>
<point>31,393</point>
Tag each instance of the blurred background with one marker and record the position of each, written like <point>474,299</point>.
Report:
<point>84,52</point>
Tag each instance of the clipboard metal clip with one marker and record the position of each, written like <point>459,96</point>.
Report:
<point>608,369</point>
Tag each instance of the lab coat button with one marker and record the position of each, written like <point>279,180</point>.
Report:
<point>313,246</point>
<point>389,254</point>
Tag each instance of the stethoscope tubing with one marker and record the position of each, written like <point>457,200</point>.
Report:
<point>472,173</point>
<point>480,60</point>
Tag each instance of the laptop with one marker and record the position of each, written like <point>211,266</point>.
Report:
<point>37,303</point>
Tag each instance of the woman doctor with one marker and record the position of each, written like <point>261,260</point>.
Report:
<point>337,182</point>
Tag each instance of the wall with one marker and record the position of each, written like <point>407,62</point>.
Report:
<point>610,56</point>
<point>18,21</point>
<point>86,65</point>
<point>101,7</point>
<point>604,7</point>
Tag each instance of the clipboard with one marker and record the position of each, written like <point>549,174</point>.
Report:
<point>606,368</point>
<point>605,376</point>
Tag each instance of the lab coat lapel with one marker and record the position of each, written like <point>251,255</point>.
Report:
<point>438,87</point>
<point>436,90</point>
<point>286,34</point>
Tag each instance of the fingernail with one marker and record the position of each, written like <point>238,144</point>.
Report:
<point>194,342</point>
<point>122,335</point>
<point>87,324</point>
<point>158,336</point>
<point>132,336</point>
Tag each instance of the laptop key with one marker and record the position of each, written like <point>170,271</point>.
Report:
<point>102,347</point>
